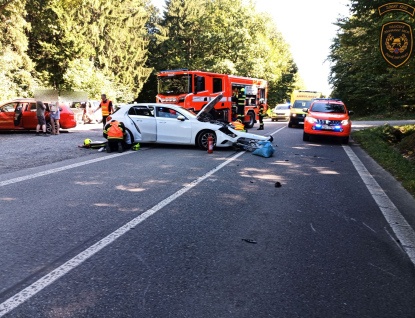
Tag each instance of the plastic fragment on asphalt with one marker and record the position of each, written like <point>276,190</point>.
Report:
<point>250,241</point>
<point>277,185</point>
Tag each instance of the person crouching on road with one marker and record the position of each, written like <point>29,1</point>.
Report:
<point>114,131</point>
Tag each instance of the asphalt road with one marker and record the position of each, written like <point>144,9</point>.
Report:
<point>211,234</point>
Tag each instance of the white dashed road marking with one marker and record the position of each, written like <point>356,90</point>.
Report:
<point>48,279</point>
<point>51,171</point>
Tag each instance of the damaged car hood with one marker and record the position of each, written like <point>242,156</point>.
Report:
<point>208,107</point>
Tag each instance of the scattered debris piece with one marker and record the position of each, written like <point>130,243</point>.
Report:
<point>287,160</point>
<point>251,181</point>
<point>250,241</point>
<point>277,185</point>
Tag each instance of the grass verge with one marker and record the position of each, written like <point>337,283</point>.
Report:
<point>394,149</point>
<point>385,116</point>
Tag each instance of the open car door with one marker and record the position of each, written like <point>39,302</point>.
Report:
<point>143,118</point>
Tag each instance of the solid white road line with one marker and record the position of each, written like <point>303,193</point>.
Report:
<point>48,279</point>
<point>75,165</point>
<point>278,130</point>
<point>397,222</point>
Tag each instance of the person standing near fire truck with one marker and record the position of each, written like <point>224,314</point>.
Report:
<point>106,108</point>
<point>234,107</point>
<point>261,114</point>
<point>241,105</point>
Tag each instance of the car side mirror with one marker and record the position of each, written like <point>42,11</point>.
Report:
<point>351,112</point>
<point>305,110</point>
<point>181,118</point>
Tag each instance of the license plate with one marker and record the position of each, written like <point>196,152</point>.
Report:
<point>326,127</point>
<point>301,122</point>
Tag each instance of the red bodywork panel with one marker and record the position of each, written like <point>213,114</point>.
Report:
<point>213,85</point>
<point>10,119</point>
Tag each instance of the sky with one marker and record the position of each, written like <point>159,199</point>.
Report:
<point>307,26</point>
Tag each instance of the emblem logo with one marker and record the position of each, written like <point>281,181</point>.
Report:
<point>396,43</point>
<point>396,6</point>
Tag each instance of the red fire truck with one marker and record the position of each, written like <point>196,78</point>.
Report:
<point>194,89</point>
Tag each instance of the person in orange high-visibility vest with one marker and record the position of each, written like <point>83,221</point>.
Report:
<point>106,108</point>
<point>115,131</point>
<point>238,125</point>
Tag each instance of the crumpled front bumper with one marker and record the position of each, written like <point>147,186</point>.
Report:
<point>236,137</point>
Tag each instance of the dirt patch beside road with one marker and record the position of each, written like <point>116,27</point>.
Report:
<point>21,150</point>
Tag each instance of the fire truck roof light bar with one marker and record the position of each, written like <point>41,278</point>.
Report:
<point>174,71</point>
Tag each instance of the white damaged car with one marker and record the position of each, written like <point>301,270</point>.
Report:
<point>173,124</point>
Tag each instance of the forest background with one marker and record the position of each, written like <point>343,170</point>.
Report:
<point>118,47</point>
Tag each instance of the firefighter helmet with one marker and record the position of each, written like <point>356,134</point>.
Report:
<point>87,141</point>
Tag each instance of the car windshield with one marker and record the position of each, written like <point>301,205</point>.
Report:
<point>283,107</point>
<point>302,104</point>
<point>186,112</point>
<point>328,108</point>
<point>174,85</point>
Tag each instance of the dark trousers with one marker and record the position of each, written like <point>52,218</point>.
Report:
<point>113,143</point>
<point>104,120</point>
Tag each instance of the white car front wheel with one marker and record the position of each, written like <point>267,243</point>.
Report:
<point>202,139</point>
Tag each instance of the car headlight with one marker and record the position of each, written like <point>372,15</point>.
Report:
<point>294,115</point>
<point>311,120</point>
<point>345,122</point>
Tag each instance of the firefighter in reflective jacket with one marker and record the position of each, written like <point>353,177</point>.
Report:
<point>115,131</point>
<point>261,114</point>
<point>234,100</point>
<point>106,108</point>
<point>241,105</point>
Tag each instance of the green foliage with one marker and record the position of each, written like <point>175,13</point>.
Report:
<point>82,75</point>
<point>112,34</point>
<point>378,143</point>
<point>16,68</point>
<point>227,37</point>
<point>360,75</point>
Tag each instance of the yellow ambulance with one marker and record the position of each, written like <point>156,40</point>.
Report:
<point>300,100</point>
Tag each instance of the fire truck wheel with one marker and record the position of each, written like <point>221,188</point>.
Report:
<point>202,139</point>
<point>251,120</point>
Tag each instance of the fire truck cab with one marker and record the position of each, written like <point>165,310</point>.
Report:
<point>194,89</point>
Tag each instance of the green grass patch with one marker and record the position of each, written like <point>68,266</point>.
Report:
<point>385,116</point>
<point>394,149</point>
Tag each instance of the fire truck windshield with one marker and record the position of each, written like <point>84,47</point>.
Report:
<point>174,85</point>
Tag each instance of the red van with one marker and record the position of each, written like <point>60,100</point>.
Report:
<point>328,117</point>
